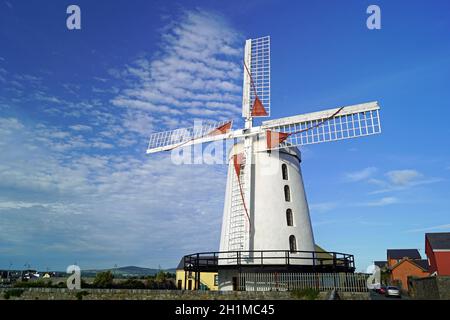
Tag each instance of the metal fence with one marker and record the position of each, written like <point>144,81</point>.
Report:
<point>345,282</point>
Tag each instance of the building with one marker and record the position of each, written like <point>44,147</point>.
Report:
<point>404,263</point>
<point>437,248</point>
<point>186,280</point>
<point>381,264</point>
<point>405,268</point>
<point>278,214</point>
<point>394,256</point>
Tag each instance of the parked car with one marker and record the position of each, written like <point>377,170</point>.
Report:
<point>393,292</point>
<point>381,290</point>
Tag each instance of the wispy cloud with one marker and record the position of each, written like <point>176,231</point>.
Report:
<point>322,207</point>
<point>360,175</point>
<point>378,203</point>
<point>398,180</point>
<point>393,180</point>
<point>195,74</point>
<point>80,127</point>
<point>442,227</point>
<point>403,177</point>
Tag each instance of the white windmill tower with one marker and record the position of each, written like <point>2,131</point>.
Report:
<point>265,208</point>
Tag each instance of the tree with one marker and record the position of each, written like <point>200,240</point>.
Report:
<point>161,276</point>
<point>103,280</point>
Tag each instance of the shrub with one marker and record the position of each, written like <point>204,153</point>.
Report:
<point>81,294</point>
<point>131,284</point>
<point>103,280</point>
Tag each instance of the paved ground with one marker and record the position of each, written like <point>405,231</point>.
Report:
<point>377,296</point>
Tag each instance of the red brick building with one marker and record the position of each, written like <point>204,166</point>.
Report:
<point>404,263</point>
<point>437,248</point>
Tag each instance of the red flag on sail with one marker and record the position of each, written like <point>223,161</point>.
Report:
<point>258,109</point>
<point>274,138</point>
<point>221,130</point>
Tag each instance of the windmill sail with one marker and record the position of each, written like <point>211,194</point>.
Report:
<point>205,132</point>
<point>323,126</point>
<point>256,90</point>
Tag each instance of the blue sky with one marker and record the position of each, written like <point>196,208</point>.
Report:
<point>77,107</point>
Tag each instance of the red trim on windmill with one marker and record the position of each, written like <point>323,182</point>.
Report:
<point>238,160</point>
<point>258,109</point>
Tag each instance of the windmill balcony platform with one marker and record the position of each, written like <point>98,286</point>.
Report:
<point>270,261</point>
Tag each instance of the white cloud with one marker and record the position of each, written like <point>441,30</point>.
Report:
<point>383,202</point>
<point>360,175</point>
<point>393,180</point>
<point>403,177</point>
<point>322,207</point>
<point>80,127</point>
<point>398,180</point>
<point>197,72</point>
<point>102,145</point>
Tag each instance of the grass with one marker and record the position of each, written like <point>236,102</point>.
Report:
<point>305,294</point>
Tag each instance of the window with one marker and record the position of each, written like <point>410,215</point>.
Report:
<point>287,194</point>
<point>216,279</point>
<point>180,284</point>
<point>292,244</point>
<point>284,171</point>
<point>289,218</point>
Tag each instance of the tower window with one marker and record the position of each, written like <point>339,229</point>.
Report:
<point>287,194</point>
<point>292,244</point>
<point>289,218</point>
<point>284,171</point>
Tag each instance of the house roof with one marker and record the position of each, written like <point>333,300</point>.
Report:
<point>180,265</point>
<point>422,264</point>
<point>380,264</point>
<point>403,253</point>
<point>439,240</point>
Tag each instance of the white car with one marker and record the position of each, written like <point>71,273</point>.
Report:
<point>393,292</point>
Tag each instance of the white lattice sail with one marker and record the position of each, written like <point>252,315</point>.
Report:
<point>256,74</point>
<point>328,125</point>
<point>201,132</point>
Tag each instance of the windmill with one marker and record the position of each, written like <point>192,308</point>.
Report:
<point>266,209</point>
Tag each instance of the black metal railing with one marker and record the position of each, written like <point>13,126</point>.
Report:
<point>314,259</point>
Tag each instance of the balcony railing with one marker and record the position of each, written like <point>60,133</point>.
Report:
<point>213,261</point>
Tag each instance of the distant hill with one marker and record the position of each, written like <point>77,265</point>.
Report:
<point>128,271</point>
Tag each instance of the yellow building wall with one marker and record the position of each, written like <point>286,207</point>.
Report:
<point>206,278</point>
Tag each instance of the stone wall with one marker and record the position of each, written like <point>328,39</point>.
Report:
<point>144,294</point>
<point>430,288</point>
